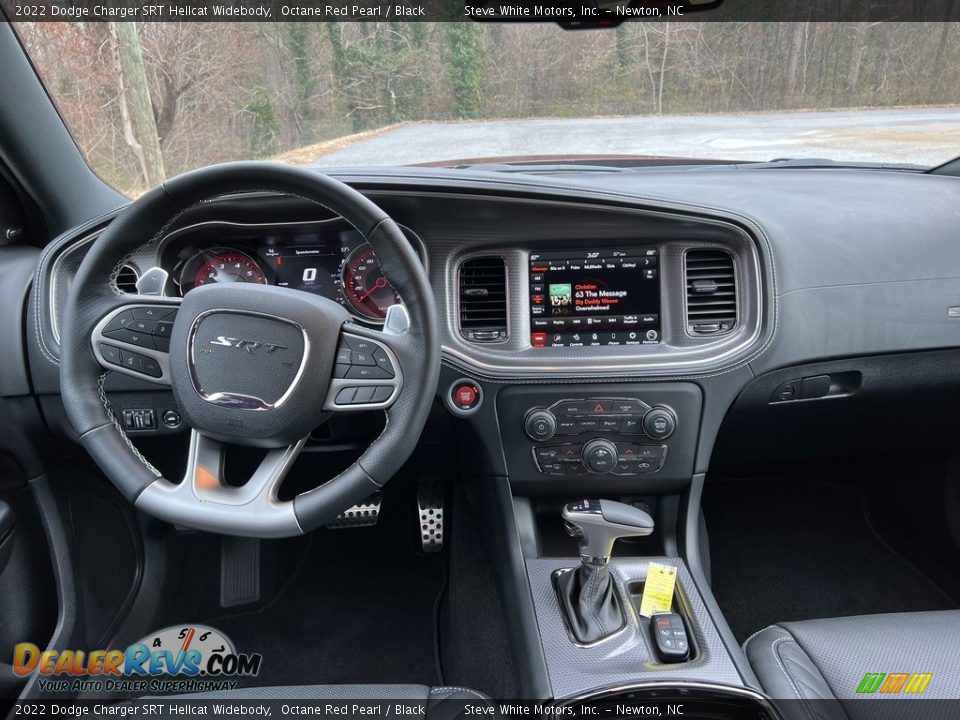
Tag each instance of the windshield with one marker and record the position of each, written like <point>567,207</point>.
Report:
<point>149,100</point>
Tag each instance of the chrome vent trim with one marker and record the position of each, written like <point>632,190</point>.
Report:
<point>711,292</point>
<point>126,280</point>
<point>482,296</point>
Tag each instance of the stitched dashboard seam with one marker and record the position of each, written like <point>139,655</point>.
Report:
<point>69,237</point>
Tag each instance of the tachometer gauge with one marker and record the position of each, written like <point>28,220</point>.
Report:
<point>220,265</point>
<point>365,288</point>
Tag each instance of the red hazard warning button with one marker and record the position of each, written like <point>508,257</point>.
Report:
<point>598,407</point>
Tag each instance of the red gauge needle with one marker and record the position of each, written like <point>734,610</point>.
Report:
<point>380,283</point>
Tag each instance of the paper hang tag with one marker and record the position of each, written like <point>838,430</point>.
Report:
<point>658,589</point>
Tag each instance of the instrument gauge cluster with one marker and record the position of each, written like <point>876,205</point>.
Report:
<point>327,258</point>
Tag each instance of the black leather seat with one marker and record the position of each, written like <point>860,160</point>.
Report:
<point>434,699</point>
<point>813,661</point>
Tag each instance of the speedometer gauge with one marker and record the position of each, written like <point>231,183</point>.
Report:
<point>365,287</point>
<point>220,265</point>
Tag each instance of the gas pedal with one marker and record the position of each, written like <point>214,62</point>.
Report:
<point>364,514</point>
<point>430,505</point>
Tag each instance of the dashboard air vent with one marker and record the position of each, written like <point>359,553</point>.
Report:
<point>127,279</point>
<point>483,299</point>
<point>711,292</point>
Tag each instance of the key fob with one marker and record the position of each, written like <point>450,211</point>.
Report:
<point>670,637</point>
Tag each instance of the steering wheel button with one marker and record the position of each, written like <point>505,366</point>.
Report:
<point>340,370</point>
<point>143,326</point>
<point>150,313</point>
<point>150,366</point>
<point>110,353</point>
<point>383,360</point>
<point>343,355</point>
<point>381,393</point>
<point>345,396</point>
<point>162,344</point>
<point>131,336</point>
<point>119,322</point>
<point>163,329</point>
<point>362,358</point>
<point>358,345</point>
<point>131,360</point>
<point>362,372</point>
<point>364,395</point>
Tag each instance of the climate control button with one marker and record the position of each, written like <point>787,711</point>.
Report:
<point>659,423</point>
<point>600,455</point>
<point>540,424</point>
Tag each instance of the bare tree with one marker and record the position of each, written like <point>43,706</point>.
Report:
<point>139,125</point>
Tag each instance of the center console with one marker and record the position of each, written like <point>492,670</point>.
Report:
<point>602,458</point>
<point>628,656</point>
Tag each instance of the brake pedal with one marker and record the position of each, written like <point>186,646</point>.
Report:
<point>430,505</point>
<point>364,514</point>
<point>239,570</point>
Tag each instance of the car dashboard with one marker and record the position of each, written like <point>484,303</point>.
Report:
<point>595,305</point>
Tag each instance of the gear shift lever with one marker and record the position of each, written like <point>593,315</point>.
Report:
<point>587,594</point>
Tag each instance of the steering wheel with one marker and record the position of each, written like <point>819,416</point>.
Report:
<point>248,364</point>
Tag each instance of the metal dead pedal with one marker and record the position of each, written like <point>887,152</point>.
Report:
<point>430,505</point>
<point>239,570</point>
<point>363,514</point>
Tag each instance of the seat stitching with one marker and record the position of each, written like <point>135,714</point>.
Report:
<point>790,678</point>
<point>747,641</point>
<point>461,689</point>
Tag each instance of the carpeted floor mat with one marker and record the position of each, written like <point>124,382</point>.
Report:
<point>800,550</point>
<point>358,611</point>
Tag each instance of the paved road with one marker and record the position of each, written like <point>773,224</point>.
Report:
<point>923,136</point>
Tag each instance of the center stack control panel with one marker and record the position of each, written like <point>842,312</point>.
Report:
<point>565,422</point>
<point>617,437</point>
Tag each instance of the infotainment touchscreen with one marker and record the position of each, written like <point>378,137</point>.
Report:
<point>594,297</point>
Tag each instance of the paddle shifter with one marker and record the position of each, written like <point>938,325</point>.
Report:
<point>587,594</point>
